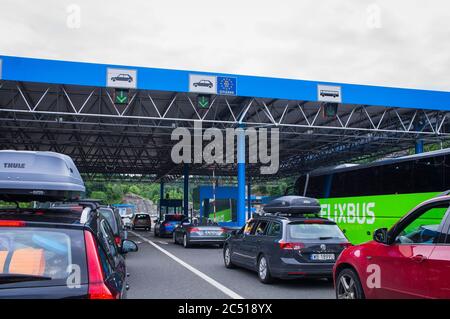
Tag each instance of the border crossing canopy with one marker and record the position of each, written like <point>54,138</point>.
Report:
<point>116,120</point>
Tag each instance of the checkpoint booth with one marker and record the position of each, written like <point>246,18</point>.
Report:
<point>170,207</point>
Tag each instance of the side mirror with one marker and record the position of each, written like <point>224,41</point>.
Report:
<point>380,235</point>
<point>129,246</point>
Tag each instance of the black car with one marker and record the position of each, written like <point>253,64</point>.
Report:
<point>290,241</point>
<point>198,233</point>
<point>54,252</point>
<point>60,253</point>
<point>111,215</point>
<point>115,221</point>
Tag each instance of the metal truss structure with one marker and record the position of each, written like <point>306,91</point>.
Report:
<point>133,141</point>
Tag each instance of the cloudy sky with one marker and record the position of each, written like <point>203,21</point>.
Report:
<point>402,43</point>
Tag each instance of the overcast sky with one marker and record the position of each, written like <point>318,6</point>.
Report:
<point>402,43</point>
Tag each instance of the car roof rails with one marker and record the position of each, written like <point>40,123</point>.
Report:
<point>293,205</point>
<point>87,203</point>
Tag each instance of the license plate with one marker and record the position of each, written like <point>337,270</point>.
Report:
<point>211,233</point>
<point>322,256</point>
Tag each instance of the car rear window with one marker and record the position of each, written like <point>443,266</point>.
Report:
<point>142,216</point>
<point>109,216</point>
<point>49,254</point>
<point>123,211</point>
<point>314,231</point>
<point>173,218</point>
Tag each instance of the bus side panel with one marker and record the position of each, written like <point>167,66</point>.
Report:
<point>359,217</point>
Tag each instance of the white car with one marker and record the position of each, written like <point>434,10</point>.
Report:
<point>127,216</point>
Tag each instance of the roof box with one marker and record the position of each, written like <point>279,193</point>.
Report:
<point>40,176</point>
<point>293,205</point>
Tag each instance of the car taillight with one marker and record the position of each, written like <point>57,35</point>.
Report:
<point>345,245</point>
<point>194,230</point>
<point>118,240</point>
<point>97,288</point>
<point>12,223</point>
<point>290,246</point>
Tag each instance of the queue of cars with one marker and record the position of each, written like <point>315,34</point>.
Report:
<point>73,248</point>
<point>56,251</point>
<point>411,260</point>
<point>290,240</point>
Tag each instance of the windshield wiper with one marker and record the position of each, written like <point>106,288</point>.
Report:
<point>12,278</point>
<point>325,238</point>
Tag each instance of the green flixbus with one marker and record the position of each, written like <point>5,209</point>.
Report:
<point>361,198</point>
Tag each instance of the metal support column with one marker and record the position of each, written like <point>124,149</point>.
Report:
<point>186,190</point>
<point>161,196</point>
<point>419,146</point>
<point>241,176</point>
<point>249,199</point>
<point>328,184</point>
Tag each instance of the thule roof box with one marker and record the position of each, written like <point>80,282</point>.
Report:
<point>293,205</point>
<point>39,176</point>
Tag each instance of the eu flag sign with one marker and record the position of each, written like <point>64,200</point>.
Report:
<point>226,85</point>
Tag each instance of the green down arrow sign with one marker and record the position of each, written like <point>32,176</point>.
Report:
<point>121,97</point>
<point>203,101</point>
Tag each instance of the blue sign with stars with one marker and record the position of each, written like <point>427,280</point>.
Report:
<point>226,85</point>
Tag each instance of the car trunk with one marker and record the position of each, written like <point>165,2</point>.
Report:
<point>207,231</point>
<point>316,242</point>
<point>40,261</point>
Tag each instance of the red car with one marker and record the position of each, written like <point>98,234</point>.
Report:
<point>411,260</point>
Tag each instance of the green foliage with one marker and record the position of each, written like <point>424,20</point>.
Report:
<point>112,193</point>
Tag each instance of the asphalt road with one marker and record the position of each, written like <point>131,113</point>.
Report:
<point>161,269</point>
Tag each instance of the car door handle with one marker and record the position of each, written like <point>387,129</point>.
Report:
<point>418,258</point>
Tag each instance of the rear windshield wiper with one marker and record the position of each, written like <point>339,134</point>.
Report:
<point>325,238</point>
<point>12,278</point>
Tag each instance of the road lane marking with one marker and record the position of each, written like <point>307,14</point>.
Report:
<point>205,277</point>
